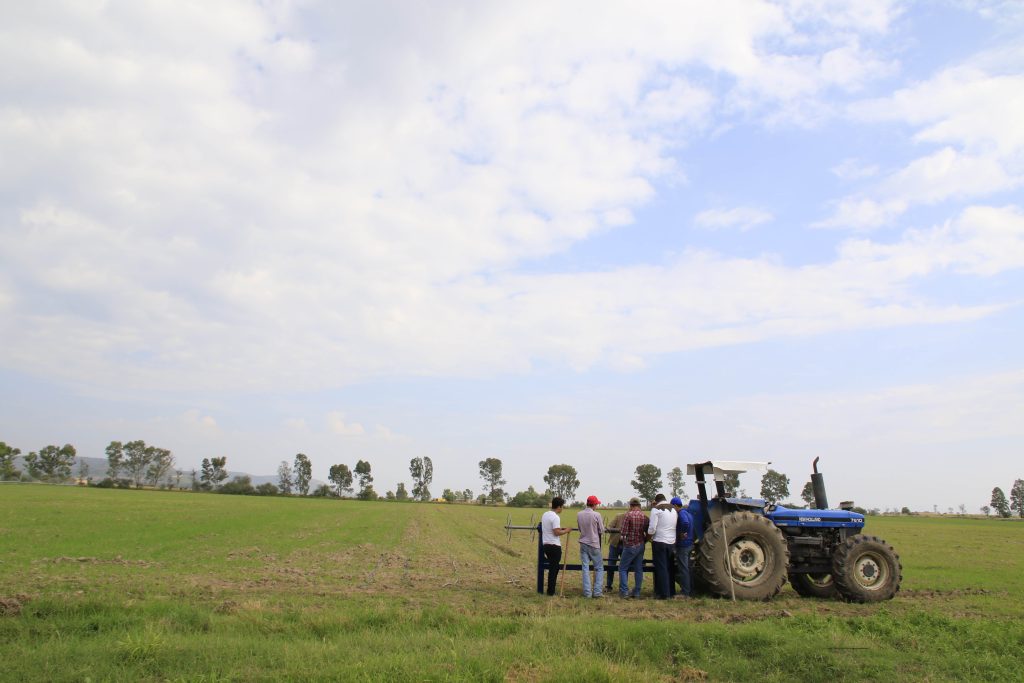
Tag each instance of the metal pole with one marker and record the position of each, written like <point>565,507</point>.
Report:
<point>540,561</point>
<point>565,561</point>
<point>728,561</point>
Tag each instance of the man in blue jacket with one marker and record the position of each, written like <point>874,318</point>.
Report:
<point>684,544</point>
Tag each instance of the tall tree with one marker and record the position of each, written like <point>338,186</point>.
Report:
<point>675,481</point>
<point>774,486</point>
<point>7,456</point>
<point>732,483</point>
<point>422,471</point>
<point>83,471</point>
<point>161,462</point>
<point>115,459</point>
<point>303,473</point>
<point>51,463</point>
<point>219,470</point>
<point>212,472</point>
<point>284,478</point>
<point>647,482</point>
<point>365,479</point>
<point>1017,497</point>
<point>341,477</point>
<point>562,481</point>
<point>137,460</point>
<point>490,472</point>
<point>205,475</point>
<point>529,498</point>
<point>32,465</point>
<point>400,492</point>
<point>999,503</point>
<point>367,493</point>
<point>807,494</point>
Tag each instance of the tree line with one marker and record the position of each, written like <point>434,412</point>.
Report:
<point>50,463</point>
<point>1003,506</point>
<point>134,463</point>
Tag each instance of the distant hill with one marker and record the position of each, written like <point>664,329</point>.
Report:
<point>97,469</point>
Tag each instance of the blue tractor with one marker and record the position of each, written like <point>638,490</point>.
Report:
<point>747,549</point>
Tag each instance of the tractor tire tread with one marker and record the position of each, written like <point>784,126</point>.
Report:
<point>848,587</point>
<point>712,570</point>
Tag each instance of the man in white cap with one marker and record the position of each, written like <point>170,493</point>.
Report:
<point>591,528</point>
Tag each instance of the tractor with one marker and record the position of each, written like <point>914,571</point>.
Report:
<point>747,549</point>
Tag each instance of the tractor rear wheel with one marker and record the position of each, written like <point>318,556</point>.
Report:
<point>866,569</point>
<point>813,585</point>
<point>757,557</point>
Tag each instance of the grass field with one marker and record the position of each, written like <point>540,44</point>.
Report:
<point>100,585</point>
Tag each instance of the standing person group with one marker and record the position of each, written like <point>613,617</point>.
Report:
<point>669,529</point>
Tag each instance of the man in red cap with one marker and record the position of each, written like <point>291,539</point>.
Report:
<point>591,528</point>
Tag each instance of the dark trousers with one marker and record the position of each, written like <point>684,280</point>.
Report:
<point>683,570</point>
<point>672,571</point>
<point>614,553</point>
<point>662,554</point>
<point>553,554</point>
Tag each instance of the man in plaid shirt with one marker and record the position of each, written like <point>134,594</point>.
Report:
<point>632,535</point>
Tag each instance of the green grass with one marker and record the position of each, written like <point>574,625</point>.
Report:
<point>141,585</point>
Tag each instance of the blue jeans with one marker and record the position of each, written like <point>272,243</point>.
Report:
<point>683,569</point>
<point>632,560</point>
<point>590,555</point>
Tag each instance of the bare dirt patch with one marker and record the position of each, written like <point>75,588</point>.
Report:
<point>117,560</point>
<point>935,593</point>
<point>11,606</point>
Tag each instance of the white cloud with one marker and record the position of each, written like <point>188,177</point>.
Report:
<point>871,16</point>
<point>854,169</point>
<point>534,418</point>
<point>922,432</point>
<point>740,218</point>
<point>863,214</point>
<point>337,425</point>
<point>299,196</point>
<point>889,419</point>
<point>974,113</point>
<point>194,418</point>
<point>983,240</point>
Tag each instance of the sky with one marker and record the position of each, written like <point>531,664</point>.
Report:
<point>600,234</point>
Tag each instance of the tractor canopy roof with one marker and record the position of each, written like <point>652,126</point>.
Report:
<point>720,468</point>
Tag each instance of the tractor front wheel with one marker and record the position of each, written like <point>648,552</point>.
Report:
<point>813,585</point>
<point>754,563</point>
<point>866,569</point>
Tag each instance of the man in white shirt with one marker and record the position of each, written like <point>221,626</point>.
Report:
<point>662,534</point>
<point>550,530</point>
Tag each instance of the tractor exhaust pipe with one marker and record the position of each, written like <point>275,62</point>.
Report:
<point>818,484</point>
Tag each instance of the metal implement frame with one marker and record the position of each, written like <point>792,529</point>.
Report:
<point>542,563</point>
